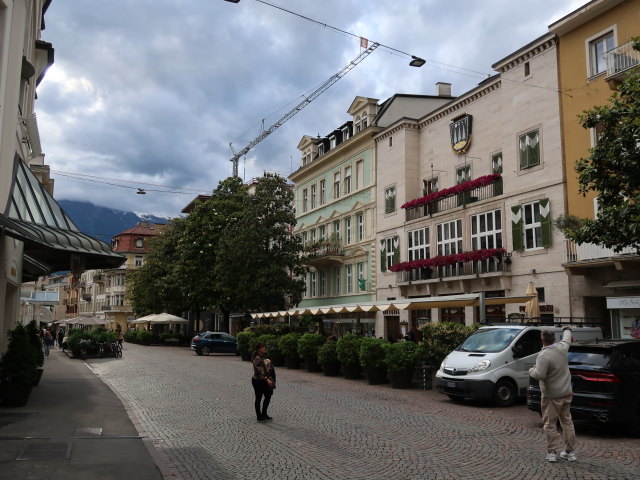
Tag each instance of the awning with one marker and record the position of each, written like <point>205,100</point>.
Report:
<point>464,300</point>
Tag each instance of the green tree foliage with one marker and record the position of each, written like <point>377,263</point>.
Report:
<point>258,259</point>
<point>613,170</point>
<point>154,287</point>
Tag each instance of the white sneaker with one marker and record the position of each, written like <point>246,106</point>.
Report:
<point>551,456</point>
<point>571,456</point>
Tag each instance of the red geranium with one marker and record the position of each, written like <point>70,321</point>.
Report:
<point>445,260</point>
<point>447,192</point>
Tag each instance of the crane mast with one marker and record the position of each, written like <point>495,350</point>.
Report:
<point>312,96</point>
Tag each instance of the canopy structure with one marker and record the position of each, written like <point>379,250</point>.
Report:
<point>160,318</point>
<point>85,320</point>
<point>464,300</point>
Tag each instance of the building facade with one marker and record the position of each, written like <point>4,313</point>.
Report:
<point>476,183</point>
<point>595,55</point>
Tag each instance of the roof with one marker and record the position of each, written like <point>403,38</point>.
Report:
<point>143,228</point>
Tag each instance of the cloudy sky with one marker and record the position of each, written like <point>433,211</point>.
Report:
<point>149,93</point>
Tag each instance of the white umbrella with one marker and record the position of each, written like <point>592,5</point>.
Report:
<point>145,319</point>
<point>85,320</point>
<point>532,307</point>
<point>168,318</point>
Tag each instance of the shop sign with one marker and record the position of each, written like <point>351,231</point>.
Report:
<point>623,302</point>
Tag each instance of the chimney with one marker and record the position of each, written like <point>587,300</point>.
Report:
<point>444,89</point>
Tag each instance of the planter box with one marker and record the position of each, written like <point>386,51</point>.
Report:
<point>292,362</point>
<point>312,365</point>
<point>15,394</point>
<point>401,379</point>
<point>39,372</point>
<point>353,372</point>
<point>376,376</point>
<point>331,369</point>
<point>278,361</point>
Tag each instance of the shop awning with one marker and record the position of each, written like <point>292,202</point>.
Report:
<point>464,300</point>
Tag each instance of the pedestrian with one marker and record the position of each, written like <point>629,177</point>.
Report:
<point>48,342</point>
<point>263,381</point>
<point>119,335</point>
<point>552,371</point>
<point>60,336</point>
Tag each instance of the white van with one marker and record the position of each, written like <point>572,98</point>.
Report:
<point>493,362</point>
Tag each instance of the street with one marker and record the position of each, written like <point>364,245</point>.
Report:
<point>199,413</point>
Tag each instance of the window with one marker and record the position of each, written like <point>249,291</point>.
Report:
<point>486,230</point>
<point>117,300</point>
<point>347,180</point>
<point>313,196</point>
<point>450,243</point>
<point>322,232</point>
<point>314,283</point>
<point>429,185</point>
<point>336,229</point>
<point>362,281</point>
<point>463,174</point>
<point>323,191</point>
<point>529,149</point>
<point>391,141</point>
<point>349,279</point>
<point>390,199</point>
<point>363,123</point>
<point>336,185</point>
<point>345,133</point>
<point>139,243</point>
<point>333,141</point>
<point>359,174</point>
<point>336,283</point>
<point>347,230</point>
<point>527,69</point>
<point>322,283</point>
<point>418,244</point>
<point>358,128</point>
<point>305,199</point>
<point>597,50</point>
<point>532,226</point>
<point>312,235</point>
<point>496,163</point>
<point>596,133</point>
<point>138,261</point>
<point>321,149</point>
<point>390,251</point>
<point>304,238</point>
<point>360,220</point>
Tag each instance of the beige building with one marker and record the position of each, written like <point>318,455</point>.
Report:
<point>477,182</point>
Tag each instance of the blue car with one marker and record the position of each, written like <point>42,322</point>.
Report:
<point>205,343</point>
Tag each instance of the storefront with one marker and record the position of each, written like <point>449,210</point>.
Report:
<point>624,313</point>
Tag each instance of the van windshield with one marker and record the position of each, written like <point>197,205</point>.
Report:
<point>489,340</point>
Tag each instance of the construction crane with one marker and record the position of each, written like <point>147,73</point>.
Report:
<point>315,94</point>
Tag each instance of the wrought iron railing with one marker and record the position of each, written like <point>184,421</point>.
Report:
<point>490,265</point>
<point>455,200</point>
<point>324,249</point>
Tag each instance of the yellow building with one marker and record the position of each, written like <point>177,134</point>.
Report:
<point>594,56</point>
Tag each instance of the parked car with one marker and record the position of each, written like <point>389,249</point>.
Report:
<point>493,362</point>
<point>205,343</point>
<point>605,378</point>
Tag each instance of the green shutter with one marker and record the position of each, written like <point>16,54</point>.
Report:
<point>383,256</point>
<point>545,222</point>
<point>516,227</point>
<point>396,250</point>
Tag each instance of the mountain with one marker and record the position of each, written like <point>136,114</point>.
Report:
<point>101,222</point>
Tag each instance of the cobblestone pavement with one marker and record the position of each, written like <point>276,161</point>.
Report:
<point>199,413</point>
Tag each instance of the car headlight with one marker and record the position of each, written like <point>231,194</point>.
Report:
<point>481,365</point>
<point>442,364</point>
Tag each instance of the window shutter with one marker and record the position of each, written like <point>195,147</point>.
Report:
<point>545,222</point>
<point>396,250</point>
<point>516,227</point>
<point>383,256</point>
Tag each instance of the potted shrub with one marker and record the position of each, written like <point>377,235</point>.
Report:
<point>18,369</point>
<point>348,347</point>
<point>289,348</point>
<point>273,349</point>
<point>328,358</point>
<point>372,354</point>
<point>401,363</point>
<point>245,342</point>
<point>34,337</point>
<point>308,346</point>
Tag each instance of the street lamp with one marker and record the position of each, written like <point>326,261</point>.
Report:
<point>417,61</point>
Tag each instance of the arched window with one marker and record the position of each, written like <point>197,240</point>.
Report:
<point>139,243</point>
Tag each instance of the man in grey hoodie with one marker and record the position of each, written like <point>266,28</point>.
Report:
<point>552,371</point>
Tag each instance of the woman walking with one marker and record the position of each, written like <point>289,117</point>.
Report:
<point>263,381</point>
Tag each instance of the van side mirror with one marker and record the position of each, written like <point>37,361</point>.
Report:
<point>518,351</point>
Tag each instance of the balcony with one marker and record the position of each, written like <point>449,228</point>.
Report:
<point>620,61</point>
<point>324,254</point>
<point>589,255</point>
<point>455,200</point>
<point>495,265</point>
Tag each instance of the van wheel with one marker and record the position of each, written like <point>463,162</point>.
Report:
<point>505,393</point>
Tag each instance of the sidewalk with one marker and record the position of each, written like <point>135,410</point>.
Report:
<point>73,427</point>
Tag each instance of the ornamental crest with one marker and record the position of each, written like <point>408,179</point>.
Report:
<point>460,131</point>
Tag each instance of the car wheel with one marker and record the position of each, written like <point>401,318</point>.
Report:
<point>198,352</point>
<point>505,393</point>
<point>205,350</point>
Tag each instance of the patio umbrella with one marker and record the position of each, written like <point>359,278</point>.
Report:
<point>532,307</point>
<point>86,320</point>
<point>168,318</point>
<point>145,319</point>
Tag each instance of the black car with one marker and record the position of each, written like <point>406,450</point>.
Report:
<point>205,343</point>
<point>605,377</point>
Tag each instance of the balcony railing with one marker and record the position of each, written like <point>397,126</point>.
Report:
<point>455,200</point>
<point>621,59</point>
<point>589,251</point>
<point>480,267</point>
<point>324,252</point>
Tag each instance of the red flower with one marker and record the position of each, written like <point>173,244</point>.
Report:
<point>445,260</point>
<point>447,192</point>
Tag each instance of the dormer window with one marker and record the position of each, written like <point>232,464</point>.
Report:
<point>358,127</point>
<point>345,133</point>
<point>363,123</point>
<point>139,243</point>
<point>333,141</point>
<point>321,149</point>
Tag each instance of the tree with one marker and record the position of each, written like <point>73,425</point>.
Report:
<point>154,287</point>
<point>204,228</point>
<point>613,171</point>
<point>259,259</point>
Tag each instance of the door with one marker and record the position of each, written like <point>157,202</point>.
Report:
<point>526,348</point>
